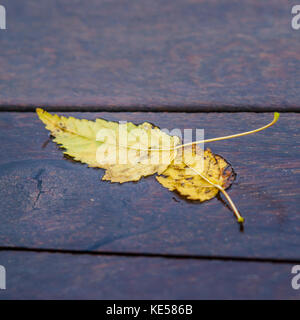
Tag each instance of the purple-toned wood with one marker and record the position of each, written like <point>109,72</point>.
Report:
<point>150,55</point>
<point>47,201</point>
<point>63,276</point>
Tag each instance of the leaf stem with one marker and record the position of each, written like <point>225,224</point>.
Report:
<point>240,219</point>
<point>275,119</point>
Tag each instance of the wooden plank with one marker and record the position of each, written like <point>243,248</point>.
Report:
<point>150,55</point>
<point>51,202</point>
<point>62,276</point>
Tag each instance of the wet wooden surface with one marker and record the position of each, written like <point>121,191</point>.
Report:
<point>52,202</point>
<point>102,277</point>
<point>150,55</point>
<point>66,234</point>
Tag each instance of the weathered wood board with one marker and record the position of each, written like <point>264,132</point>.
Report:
<point>65,276</point>
<point>47,201</point>
<point>150,55</point>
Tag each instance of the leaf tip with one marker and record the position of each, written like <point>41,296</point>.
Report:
<point>276,116</point>
<point>39,111</point>
<point>241,220</point>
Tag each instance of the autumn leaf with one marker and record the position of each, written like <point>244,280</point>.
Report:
<point>129,152</point>
<point>182,174</point>
<point>121,149</point>
<point>199,175</point>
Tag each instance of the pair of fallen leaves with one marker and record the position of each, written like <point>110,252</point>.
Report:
<point>128,152</point>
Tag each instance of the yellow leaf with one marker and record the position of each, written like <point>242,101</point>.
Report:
<point>121,149</point>
<point>183,174</point>
<point>129,152</point>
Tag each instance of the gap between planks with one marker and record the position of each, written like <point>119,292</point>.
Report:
<point>165,108</point>
<point>153,255</point>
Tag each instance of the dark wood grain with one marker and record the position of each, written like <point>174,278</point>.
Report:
<point>47,201</point>
<point>150,55</point>
<point>63,276</point>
